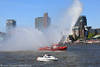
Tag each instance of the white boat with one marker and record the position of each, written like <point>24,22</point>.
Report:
<point>47,58</point>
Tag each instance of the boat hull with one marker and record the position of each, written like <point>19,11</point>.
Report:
<point>53,49</point>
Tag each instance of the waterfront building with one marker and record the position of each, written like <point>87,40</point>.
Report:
<point>81,19</point>
<point>10,24</point>
<point>97,30</point>
<point>83,32</point>
<point>79,27</point>
<point>76,31</point>
<point>94,31</point>
<point>42,23</point>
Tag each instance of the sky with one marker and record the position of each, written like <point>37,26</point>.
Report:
<point>25,11</point>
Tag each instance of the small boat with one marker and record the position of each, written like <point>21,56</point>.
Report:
<point>47,58</point>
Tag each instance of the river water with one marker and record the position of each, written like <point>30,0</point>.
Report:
<point>75,56</point>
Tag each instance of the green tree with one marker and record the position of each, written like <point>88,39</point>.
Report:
<point>90,35</point>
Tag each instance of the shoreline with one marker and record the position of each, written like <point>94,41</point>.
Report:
<point>83,43</point>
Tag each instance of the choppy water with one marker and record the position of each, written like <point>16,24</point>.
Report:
<point>75,56</point>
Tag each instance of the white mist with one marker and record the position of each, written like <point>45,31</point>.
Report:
<point>31,39</point>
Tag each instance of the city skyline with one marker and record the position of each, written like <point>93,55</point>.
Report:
<point>25,12</point>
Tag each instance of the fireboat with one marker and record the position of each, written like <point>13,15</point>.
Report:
<point>54,47</point>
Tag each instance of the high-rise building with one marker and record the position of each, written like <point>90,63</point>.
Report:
<point>39,23</point>
<point>42,23</point>
<point>10,24</point>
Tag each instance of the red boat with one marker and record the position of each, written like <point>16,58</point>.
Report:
<point>55,47</point>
